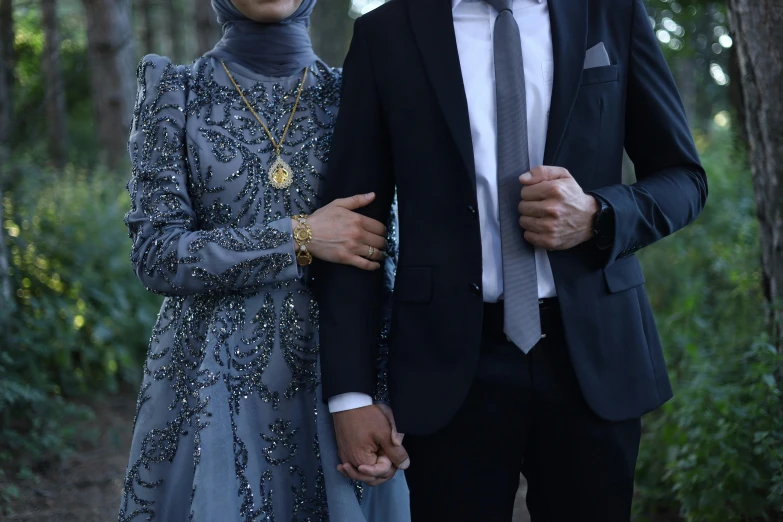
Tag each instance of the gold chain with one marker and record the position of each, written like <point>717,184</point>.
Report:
<point>276,145</point>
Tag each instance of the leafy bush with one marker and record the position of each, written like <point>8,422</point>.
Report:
<point>715,452</point>
<point>81,320</point>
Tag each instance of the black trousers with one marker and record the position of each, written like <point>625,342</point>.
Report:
<point>524,413</point>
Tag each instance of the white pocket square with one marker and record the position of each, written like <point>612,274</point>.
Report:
<point>597,56</point>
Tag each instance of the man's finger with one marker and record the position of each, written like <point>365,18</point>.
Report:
<point>396,435</point>
<point>538,192</point>
<point>537,225</point>
<point>543,173</point>
<point>536,209</point>
<point>354,202</point>
<point>397,454</point>
<point>540,240</point>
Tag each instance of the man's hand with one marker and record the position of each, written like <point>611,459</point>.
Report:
<point>368,445</point>
<point>555,212</point>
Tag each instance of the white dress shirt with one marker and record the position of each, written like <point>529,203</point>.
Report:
<point>474,23</point>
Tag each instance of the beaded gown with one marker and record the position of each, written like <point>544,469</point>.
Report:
<point>230,425</point>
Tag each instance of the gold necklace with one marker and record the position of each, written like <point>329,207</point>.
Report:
<point>280,174</point>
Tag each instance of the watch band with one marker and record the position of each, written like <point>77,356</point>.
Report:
<point>603,224</point>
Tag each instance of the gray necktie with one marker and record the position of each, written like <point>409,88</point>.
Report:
<point>522,323</point>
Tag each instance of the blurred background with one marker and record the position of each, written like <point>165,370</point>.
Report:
<point>74,321</point>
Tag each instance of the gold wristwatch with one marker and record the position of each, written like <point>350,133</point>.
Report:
<point>303,234</point>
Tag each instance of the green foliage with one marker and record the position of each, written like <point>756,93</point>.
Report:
<point>30,123</point>
<point>715,452</point>
<point>81,319</point>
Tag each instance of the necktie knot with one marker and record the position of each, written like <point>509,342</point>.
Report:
<point>501,5</point>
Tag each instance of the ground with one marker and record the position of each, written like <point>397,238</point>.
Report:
<point>87,486</point>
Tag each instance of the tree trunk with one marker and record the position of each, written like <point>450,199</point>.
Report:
<point>331,30</point>
<point>56,118</point>
<point>148,24</point>
<point>174,17</point>
<point>110,43</point>
<point>758,25</point>
<point>6,83</point>
<point>6,72</point>
<point>207,28</point>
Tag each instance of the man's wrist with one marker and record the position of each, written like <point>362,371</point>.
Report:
<point>594,207</point>
<point>349,401</point>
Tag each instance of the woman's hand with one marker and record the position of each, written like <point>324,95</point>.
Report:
<point>343,236</point>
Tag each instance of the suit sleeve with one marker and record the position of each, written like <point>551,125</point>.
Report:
<point>360,162</point>
<point>672,186</point>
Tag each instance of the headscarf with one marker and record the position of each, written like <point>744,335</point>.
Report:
<point>278,49</point>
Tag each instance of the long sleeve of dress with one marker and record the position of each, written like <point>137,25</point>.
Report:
<point>171,255</point>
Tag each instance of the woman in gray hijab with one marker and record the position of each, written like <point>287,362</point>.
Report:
<point>227,156</point>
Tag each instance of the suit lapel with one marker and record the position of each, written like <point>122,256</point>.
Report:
<point>569,41</point>
<point>433,28</point>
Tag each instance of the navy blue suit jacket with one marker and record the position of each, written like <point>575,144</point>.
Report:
<point>404,122</point>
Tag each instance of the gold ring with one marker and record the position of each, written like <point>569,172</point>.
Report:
<point>372,252</point>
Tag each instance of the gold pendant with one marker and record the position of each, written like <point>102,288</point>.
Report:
<point>280,174</point>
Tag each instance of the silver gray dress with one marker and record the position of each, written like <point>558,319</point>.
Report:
<point>230,425</point>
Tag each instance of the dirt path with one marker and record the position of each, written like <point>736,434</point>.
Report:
<point>86,487</point>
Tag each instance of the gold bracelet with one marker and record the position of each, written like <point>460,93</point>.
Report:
<point>303,234</point>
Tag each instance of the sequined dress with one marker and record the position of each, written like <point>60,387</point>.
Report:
<point>230,425</point>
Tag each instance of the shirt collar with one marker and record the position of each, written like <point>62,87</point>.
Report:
<point>455,3</point>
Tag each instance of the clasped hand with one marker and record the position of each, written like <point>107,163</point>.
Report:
<point>555,212</point>
<point>369,446</point>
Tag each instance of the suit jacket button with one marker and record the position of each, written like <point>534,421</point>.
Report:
<point>472,210</point>
<point>475,289</point>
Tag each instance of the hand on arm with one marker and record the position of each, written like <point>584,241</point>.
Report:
<point>555,212</point>
<point>340,235</point>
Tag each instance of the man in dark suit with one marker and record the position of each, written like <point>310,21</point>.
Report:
<point>521,338</point>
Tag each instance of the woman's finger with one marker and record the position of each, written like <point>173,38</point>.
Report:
<point>383,467</point>
<point>354,202</point>
<point>372,225</point>
<point>375,241</point>
<point>354,474</point>
<point>363,263</point>
<point>368,252</point>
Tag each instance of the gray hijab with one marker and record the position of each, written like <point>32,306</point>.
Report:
<point>280,49</point>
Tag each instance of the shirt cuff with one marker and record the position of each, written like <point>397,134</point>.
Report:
<point>349,401</point>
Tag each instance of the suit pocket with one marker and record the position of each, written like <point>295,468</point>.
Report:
<point>606,74</point>
<point>624,274</point>
<point>413,284</point>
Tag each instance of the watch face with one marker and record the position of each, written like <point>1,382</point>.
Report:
<point>604,223</point>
